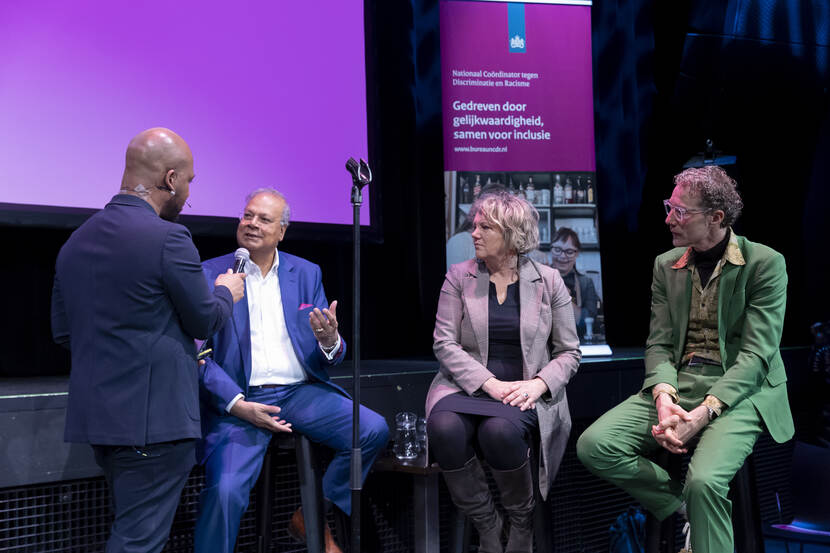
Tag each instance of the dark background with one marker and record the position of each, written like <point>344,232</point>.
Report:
<point>750,75</point>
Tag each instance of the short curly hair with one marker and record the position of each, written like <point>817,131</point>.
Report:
<point>516,218</point>
<point>715,188</point>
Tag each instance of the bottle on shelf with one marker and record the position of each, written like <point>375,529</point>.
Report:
<point>544,196</point>
<point>569,191</point>
<point>530,191</point>
<point>477,187</point>
<point>579,191</point>
<point>465,191</point>
<point>558,191</point>
<point>521,192</point>
<point>590,194</point>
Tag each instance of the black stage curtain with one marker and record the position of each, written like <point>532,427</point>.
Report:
<point>751,75</point>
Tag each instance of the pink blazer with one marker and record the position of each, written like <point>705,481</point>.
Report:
<point>550,347</point>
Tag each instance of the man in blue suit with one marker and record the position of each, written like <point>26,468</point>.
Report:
<point>129,298</point>
<point>272,359</point>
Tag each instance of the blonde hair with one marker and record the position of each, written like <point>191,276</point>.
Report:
<point>515,217</point>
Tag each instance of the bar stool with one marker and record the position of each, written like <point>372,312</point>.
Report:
<point>746,525</point>
<point>311,492</point>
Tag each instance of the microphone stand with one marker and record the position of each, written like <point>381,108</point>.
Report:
<point>361,176</point>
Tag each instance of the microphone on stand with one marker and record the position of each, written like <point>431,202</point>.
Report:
<point>360,172</point>
<point>240,258</point>
<point>361,176</point>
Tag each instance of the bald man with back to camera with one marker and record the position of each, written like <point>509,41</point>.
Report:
<point>129,298</point>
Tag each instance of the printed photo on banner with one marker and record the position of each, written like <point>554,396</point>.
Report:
<point>517,99</point>
<point>568,235</point>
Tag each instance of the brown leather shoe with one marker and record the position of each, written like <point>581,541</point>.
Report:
<point>296,529</point>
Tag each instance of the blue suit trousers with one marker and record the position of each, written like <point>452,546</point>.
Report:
<point>315,410</point>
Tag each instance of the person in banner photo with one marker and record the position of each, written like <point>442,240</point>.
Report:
<point>506,344</point>
<point>272,358</point>
<point>714,377</point>
<point>564,251</point>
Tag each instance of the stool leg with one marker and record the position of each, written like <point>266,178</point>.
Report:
<point>425,507</point>
<point>746,520</point>
<point>264,500</point>
<point>653,527</point>
<point>311,493</point>
<point>541,515</point>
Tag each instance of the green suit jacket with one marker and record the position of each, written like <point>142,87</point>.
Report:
<point>751,303</point>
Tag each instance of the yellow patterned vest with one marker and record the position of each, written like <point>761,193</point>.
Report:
<point>702,339</point>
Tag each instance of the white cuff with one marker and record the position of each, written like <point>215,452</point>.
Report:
<point>330,354</point>
<point>232,402</point>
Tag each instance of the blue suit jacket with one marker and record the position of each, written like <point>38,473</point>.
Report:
<point>229,372</point>
<point>129,298</point>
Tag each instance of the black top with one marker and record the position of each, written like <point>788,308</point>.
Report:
<point>504,357</point>
<point>504,360</point>
<point>705,261</point>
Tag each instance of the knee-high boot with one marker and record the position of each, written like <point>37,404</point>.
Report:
<point>469,491</point>
<point>516,487</point>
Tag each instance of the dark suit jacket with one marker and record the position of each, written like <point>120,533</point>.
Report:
<point>752,299</point>
<point>229,372</point>
<point>129,298</point>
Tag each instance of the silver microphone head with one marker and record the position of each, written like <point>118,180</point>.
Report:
<point>240,258</point>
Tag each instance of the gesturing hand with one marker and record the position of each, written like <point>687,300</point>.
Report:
<point>324,324</point>
<point>261,415</point>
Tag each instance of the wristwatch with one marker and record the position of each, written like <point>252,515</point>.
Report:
<point>712,413</point>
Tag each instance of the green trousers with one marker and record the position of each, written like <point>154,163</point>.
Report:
<point>618,445</point>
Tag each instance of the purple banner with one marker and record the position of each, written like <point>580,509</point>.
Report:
<point>519,118</point>
<point>513,102</point>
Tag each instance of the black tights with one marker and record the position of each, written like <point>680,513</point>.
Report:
<point>451,435</point>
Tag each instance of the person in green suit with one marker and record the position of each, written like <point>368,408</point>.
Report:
<point>714,374</point>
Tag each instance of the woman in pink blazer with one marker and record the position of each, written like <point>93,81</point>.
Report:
<point>506,342</point>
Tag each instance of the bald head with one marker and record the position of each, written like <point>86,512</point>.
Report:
<point>159,169</point>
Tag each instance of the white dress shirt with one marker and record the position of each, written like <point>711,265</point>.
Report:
<point>273,360</point>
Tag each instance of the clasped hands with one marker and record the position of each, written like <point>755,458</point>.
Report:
<point>520,393</point>
<point>676,426</point>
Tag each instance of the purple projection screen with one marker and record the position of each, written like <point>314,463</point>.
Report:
<point>266,94</point>
<point>518,117</point>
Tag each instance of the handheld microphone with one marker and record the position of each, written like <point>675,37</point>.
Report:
<point>240,259</point>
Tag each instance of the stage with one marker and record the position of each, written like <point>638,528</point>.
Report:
<point>54,498</point>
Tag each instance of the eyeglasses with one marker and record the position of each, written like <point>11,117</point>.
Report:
<point>249,217</point>
<point>570,252</point>
<point>681,212</point>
